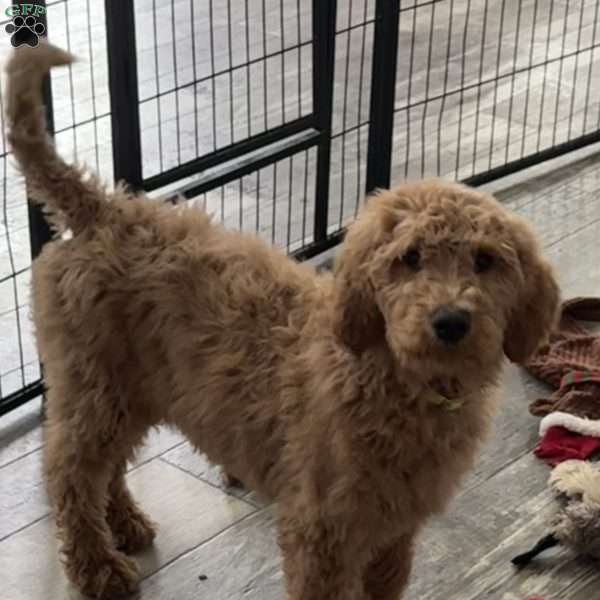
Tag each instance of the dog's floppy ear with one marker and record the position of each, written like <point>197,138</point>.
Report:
<point>358,320</point>
<point>537,311</point>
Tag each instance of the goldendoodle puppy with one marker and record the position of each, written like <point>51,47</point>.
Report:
<point>355,400</point>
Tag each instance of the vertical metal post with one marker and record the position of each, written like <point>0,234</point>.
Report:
<point>124,97</point>
<point>383,94</point>
<point>324,23</point>
<point>39,230</point>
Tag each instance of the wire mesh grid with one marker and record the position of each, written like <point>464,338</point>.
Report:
<point>274,202</point>
<point>483,83</point>
<point>217,72</point>
<point>351,101</point>
<point>80,98</point>
<point>15,360</point>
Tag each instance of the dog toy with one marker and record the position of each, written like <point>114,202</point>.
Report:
<point>576,524</point>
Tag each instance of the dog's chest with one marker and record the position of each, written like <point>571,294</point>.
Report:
<point>420,474</point>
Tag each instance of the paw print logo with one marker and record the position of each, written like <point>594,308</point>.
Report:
<point>25,31</point>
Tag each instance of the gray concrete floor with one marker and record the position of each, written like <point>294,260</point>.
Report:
<point>205,530</point>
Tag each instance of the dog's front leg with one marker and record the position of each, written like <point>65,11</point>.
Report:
<point>319,562</point>
<point>386,576</point>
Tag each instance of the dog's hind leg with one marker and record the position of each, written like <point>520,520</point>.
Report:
<point>133,531</point>
<point>86,439</point>
<point>387,575</point>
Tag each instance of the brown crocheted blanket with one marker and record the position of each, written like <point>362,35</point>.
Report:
<point>570,363</point>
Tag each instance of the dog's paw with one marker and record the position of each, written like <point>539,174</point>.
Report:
<point>229,481</point>
<point>116,576</point>
<point>134,533</point>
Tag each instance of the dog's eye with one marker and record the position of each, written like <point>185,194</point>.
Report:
<point>483,262</point>
<point>412,259</point>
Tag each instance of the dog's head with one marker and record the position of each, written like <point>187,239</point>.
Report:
<point>446,278</point>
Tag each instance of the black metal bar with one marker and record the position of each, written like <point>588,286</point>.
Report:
<point>229,153</point>
<point>383,93</point>
<point>533,159</point>
<point>124,95</point>
<point>263,157</point>
<point>39,230</point>
<point>324,13</point>
<point>22,396</point>
<point>316,248</point>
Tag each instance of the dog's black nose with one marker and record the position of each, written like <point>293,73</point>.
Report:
<point>451,325</point>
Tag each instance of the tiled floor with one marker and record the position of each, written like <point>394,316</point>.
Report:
<point>229,538</point>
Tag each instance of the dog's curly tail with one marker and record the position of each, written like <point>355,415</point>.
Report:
<point>69,197</point>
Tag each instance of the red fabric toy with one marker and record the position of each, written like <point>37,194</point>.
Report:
<point>560,444</point>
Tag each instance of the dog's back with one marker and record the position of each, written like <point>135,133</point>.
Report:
<point>176,312</point>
